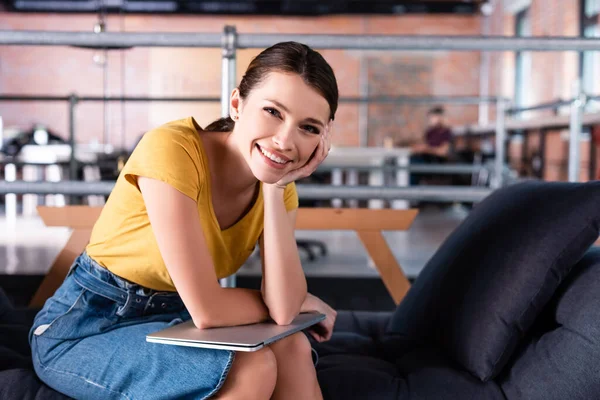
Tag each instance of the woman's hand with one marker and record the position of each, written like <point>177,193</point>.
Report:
<point>320,154</point>
<point>323,330</point>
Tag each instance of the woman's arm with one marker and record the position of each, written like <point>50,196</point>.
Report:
<point>284,284</point>
<point>176,225</point>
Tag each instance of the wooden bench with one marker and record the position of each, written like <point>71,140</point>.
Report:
<point>367,223</point>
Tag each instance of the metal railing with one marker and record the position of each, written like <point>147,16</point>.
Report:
<point>310,192</point>
<point>229,41</point>
<point>262,40</point>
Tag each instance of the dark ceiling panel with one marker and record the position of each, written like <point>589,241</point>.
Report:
<point>251,7</point>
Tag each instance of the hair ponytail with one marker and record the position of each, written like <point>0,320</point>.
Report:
<point>224,124</point>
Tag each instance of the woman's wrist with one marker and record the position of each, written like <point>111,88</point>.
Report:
<point>308,304</point>
<point>277,185</point>
<point>273,188</point>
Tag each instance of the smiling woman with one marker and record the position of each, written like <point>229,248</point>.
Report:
<point>187,209</point>
<point>281,123</point>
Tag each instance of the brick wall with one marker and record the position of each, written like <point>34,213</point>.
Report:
<point>551,78</point>
<point>196,72</point>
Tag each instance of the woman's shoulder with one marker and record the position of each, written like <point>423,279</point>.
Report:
<point>182,129</point>
<point>174,142</point>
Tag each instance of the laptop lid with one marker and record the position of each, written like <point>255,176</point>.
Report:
<point>237,338</point>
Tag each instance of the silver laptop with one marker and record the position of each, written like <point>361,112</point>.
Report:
<point>237,338</point>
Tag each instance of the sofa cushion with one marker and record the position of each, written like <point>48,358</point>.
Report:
<point>14,328</point>
<point>366,323</point>
<point>357,333</point>
<point>363,361</point>
<point>349,376</point>
<point>422,374</point>
<point>560,357</point>
<point>23,384</point>
<point>485,286</point>
<point>17,377</point>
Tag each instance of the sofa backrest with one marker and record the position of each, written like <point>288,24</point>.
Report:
<point>560,355</point>
<point>483,289</point>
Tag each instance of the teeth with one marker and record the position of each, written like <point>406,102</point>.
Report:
<point>272,157</point>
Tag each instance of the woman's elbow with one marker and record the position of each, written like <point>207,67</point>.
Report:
<point>206,321</point>
<point>283,315</point>
<point>283,312</point>
<point>202,323</point>
<point>283,319</point>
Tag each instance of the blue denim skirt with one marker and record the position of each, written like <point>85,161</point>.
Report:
<point>89,341</point>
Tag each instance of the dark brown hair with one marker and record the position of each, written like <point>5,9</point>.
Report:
<point>437,110</point>
<point>290,57</point>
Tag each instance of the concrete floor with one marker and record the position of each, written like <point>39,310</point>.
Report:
<point>27,247</point>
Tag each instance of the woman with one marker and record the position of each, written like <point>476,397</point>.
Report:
<point>188,209</point>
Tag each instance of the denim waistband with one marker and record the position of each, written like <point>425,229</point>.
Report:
<point>131,297</point>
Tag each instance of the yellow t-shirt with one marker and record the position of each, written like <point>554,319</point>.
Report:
<point>122,239</point>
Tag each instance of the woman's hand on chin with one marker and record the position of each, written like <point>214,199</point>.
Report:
<point>320,154</point>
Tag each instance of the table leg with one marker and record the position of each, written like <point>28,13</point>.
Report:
<point>391,273</point>
<point>60,267</point>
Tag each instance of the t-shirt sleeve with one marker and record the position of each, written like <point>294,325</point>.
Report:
<point>290,197</point>
<point>168,156</point>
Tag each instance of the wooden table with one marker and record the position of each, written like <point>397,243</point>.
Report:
<point>367,223</point>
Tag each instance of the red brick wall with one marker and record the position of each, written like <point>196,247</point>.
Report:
<point>552,77</point>
<point>197,72</point>
<point>552,72</point>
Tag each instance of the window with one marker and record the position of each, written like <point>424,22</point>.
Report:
<point>523,61</point>
<point>590,60</point>
<point>591,8</point>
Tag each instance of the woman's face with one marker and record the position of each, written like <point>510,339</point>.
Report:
<point>279,125</point>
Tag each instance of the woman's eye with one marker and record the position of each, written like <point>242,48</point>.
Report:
<point>311,129</point>
<point>273,112</point>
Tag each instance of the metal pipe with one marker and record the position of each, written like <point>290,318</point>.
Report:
<point>232,40</point>
<point>228,64</point>
<point>348,42</point>
<point>483,115</point>
<point>575,131</point>
<point>448,194</point>
<point>593,98</point>
<point>106,131</point>
<point>17,97</point>
<point>363,108</point>
<point>147,99</point>
<point>313,192</point>
<point>70,188</point>
<point>109,39</point>
<point>228,76</point>
<point>10,201</point>
<point>362,99</point>
<point>414,42</point>
<point>468,100</point>
<point>415,168</point>
<point>500,142</point>
<point>72,160</point>
<point>541,106</point>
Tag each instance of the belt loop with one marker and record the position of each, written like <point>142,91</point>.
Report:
<point>74,265</point>
<point>150,302</point>
<point>121,311</point>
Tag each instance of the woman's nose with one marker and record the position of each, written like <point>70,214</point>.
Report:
<point>283,138</point>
